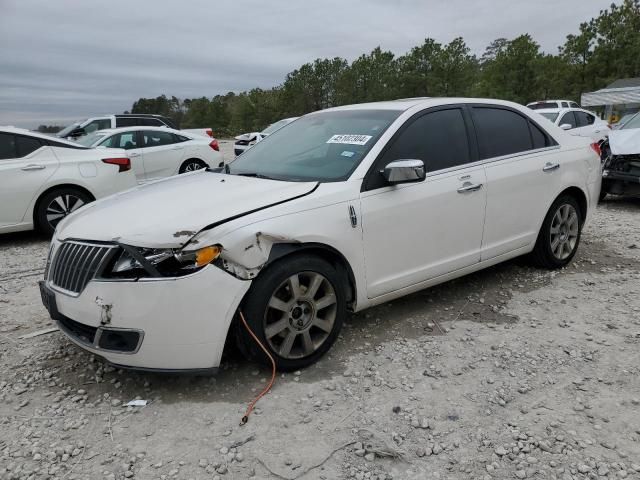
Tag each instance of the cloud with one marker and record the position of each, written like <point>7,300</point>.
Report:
<point>70,59</point>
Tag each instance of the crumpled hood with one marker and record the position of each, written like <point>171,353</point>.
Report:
<point>167,213</point>
<point>247,136</point>
<point>625,142</point>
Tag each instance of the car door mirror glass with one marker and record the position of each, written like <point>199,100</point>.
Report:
<point>404,171</point>
<point>566,126</point>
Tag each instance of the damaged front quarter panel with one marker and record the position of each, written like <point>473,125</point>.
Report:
<point>243,256</point>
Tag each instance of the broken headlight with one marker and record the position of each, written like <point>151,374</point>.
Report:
<point>132,262</point>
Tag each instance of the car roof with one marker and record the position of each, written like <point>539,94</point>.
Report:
<point>109,131</point>
<point>403,104</point>
<point>44,136</point>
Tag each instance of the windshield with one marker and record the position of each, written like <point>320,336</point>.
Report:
<point>550,115</point>
<point>67,130</point>
<point>322,147</point>
<point>275,126</point>
<point>91,139</point>
<point>633,122</point>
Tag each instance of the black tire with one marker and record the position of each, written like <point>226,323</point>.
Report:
<point>56,205</point>
<point>543,254</point>
<point>272,284</point>
<point>603,194</point>
<point>191,164</point>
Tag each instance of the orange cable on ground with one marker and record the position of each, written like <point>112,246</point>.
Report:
<point>245,419</point>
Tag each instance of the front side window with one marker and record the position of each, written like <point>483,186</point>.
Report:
<point>154,138</point>
<point>323,147</point>
<point>438,138</point>
<point>7,146</point>
<point>584,118</point>
<point>574,105</point>
<point>97,125</point>
<point>565,105</point>
<point>149,122</point>
<point>501,132</point>
<point>27,145</point>
<point>569,119</point>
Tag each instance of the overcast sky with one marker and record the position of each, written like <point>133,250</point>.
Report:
<point>62,60</point>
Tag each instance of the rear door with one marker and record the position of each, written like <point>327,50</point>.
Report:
<point>129,141</point>
<point>25,165</point>
<point>162,153</point>
<point>419,231</point>
<point>522,171</point>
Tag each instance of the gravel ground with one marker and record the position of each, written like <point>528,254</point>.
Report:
<point>512,372</point>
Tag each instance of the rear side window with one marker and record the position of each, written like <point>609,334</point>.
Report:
<point>7,146</point>
<point>150,122</point>
<point>565,105</point>
<point>438,138</point>
<point>569,118</point>
<point>27,145</point>
<point>157,138</point>
<point>501,132</point>
<point>126,122</point>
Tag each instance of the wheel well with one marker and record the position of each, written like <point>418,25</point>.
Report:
<point>580,197</point>
<point>57,187</point>
<point>280,251</point>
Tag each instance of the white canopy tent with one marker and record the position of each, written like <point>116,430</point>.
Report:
<point>619,98</point>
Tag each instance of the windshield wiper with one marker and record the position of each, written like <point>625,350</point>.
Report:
<point>254,175</point>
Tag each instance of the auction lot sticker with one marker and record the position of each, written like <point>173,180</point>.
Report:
<point>350,139</point>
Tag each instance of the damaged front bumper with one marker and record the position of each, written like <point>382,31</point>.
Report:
<point>177,323</point>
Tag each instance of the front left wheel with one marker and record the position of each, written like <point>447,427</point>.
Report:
<point>56,205</point>
<point>296,308</point>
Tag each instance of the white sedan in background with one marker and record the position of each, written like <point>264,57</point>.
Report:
<point>578,122</point>
<point>43,179</point>
<point>247,140</point>
<point>159,152</point>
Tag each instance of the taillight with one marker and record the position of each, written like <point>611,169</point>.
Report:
<point>214,144</point>
<point>123,163</point>
<point>209,132</point>
<point>596,148</point>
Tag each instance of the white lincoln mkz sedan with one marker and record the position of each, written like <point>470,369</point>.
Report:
<point>344,209</point>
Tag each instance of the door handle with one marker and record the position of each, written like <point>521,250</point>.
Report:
<point>33,166</point>
<point>133,154</point>
<point>470,187</point>
<point>550,167</point>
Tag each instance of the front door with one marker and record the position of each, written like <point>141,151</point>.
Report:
<point>419,231</point>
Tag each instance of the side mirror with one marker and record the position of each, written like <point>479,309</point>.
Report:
<point>404,171</point>
<point>77,132</point>
<point>566,126</point>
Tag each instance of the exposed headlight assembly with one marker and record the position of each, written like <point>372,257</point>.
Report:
<point>133,262</point>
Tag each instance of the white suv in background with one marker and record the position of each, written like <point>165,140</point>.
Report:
<point>43,179</point>
<point>158,152</point>
<point>343,209</point>
<point>577,121</point>
<point>93,124</point>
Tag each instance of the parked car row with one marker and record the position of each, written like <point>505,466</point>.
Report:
<point>340,210</point>
<point>46,178</point>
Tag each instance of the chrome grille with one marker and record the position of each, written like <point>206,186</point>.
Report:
<point>76,263</point>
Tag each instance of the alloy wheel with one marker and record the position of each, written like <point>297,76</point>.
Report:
<point>193,166</point>
<point>61,206</point>
<point>300,315</point>
<point>565,227</point>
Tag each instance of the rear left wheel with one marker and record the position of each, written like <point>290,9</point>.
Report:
<point>56,205</point>
<point>296,309</point>
<point>192,165</point>
<point>559,236</point>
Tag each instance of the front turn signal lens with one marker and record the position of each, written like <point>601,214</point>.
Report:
<point>206,255</point>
